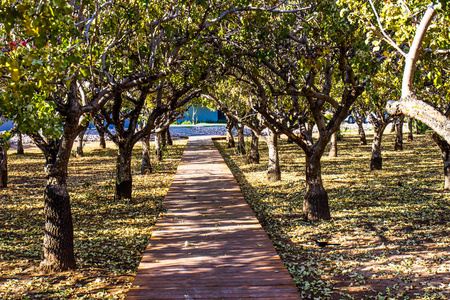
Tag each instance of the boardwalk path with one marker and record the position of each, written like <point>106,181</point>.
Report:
<point>209,245</point>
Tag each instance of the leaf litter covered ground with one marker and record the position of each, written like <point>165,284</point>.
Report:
<point>110,235</point>
<point>392,225</point>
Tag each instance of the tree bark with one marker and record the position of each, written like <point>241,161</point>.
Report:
<point>229,128</point>
<point>102,141</point>
<point>169,137</point>
<point>253,157</point>
<point>158,147</point>
<point>410,130</point>
<point>58,239</point>
<point>80,152</point>
<point>163,139</point>
<point>123,177</point>
<point>333,146</point>
<point>19,143</point>
<point>379,123</point>
<point>315,203</point>
<point>241,139</point>
<point>399,134</point>
<point>58,245</point>
<point>376,162</point>
<point>445,153</point>
<point>146,165</point>
<point>394,122</point>
<point>3,165</point>
<point>361,132</point>
<point>273,170</point>
<point>101,134</point>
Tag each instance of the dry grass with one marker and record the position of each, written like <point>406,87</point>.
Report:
<point>110,236</point>
<point>392,225</point>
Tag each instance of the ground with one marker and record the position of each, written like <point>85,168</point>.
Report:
<point>392,225</point>
<point>110,236</point>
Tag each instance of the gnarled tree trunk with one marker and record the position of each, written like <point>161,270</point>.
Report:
<point>146,165</point>
<point>361,132</point>
<point>102,141</point>
<point>253,157</point>
<point>445,151</point>
<point>19,143</point>
<point>376,161</point>
<point>169,137</point>
<point>333,145</point>
<point>58,245</point>
<point>124,183</point>
<point>229,128</point>
<point>315,203</point>
<point>394,122</point>
<point>410,130</point>
<point>273,170</point>
<point>158,147</point>
<point>101,134</point>
<point>379,123</point>
<point>241,139</point>
<point>80,152</point>
<point>163,139</point>
<point>399,134</point>
<point>3,165</point>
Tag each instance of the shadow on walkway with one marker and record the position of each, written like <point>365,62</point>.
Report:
<point>209,245</point>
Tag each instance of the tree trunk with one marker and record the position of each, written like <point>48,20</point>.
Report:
<point>19,143</point>
<point>3,165</point>
<point>123,176</point>
<point>376,162</point>
<point>445,153</point>
<point>58,245</point>
<point>399,136</point>
<point>229,127</point>
<point>361,132</point>
<point>393,125</point>
<point>253,157</point>
<point>102,141</point>
<point>101,134</point>
<point>158,147</point>
<point>169,137</point>
<point>146,165</point>
<point>163,139</point>
<point>410,130</point>
<point>241,139</point>
<point>333,146</point>
<point>273,170</point>
<point>315,203</point>
<point>80,152</point>
<point>58,239</point>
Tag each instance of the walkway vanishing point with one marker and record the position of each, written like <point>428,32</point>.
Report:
<point>209,244</point>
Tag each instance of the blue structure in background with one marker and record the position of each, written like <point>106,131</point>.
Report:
<point>203,114</point>
<point>6,126</point>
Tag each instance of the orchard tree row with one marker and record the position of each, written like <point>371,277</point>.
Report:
<point>275,66</point>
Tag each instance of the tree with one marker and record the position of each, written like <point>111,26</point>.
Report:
<point>414,30</point>
<point>303,71</point>
<point>64,67</point>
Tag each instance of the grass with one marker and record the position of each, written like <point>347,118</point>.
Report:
<point>392,225</point>
<point>110,235</point>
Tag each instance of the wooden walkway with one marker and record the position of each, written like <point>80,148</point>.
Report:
<point>209,245</point>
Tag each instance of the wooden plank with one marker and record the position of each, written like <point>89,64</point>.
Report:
<point>209,245</point>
